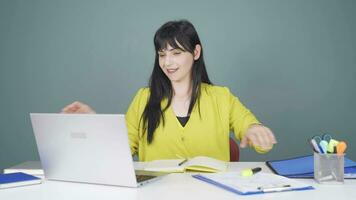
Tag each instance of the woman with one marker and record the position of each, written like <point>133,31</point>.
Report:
<point>182,114</point>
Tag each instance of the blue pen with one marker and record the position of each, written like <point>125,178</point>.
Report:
<point>315,145</point>
<point>323,146</point>
<point>321,149</point>
<point>320,142</point>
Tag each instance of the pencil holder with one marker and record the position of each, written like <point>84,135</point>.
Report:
<point>329,168</point>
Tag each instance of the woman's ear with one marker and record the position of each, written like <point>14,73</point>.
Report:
<point>197,51</point>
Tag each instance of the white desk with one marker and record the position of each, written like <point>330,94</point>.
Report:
<point>173,186</point>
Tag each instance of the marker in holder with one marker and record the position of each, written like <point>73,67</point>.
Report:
<point>329,168</point>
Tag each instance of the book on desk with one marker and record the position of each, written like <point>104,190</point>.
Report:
<point>196,164</point>
<point>29,167</point>
<point>18,179</point>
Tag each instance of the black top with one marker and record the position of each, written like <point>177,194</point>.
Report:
<point>183,120</point>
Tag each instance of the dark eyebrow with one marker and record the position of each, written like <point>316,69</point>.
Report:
<point>170,50</point>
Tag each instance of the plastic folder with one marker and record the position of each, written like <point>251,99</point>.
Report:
<point>257,184</point>
<point>303,167</point>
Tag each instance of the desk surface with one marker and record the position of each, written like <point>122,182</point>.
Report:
<point>173,186</point>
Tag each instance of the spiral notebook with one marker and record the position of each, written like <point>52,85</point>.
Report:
<point>257,184</point>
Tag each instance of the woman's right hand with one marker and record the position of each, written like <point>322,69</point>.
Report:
<point>78,107</point>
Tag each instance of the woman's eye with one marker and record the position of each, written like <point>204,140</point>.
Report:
<point>176,53</point>
<point>161,55</point>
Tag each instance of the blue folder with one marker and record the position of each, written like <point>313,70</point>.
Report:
<point>303,167</point>
<point>17,179</point>
<point>225,187</point>
<point>234,189</point>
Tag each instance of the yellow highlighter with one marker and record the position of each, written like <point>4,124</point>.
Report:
<point>332,144</point>
<point>250,172</point>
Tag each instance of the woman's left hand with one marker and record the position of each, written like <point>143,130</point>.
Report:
<point>258,136</point>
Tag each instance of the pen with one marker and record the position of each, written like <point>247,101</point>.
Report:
<point>250,172</point>
<point>275,189</point>
<point>315,146</point>
<point>324,146</point>
<point>184,161</point>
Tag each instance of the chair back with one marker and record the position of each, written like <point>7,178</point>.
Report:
<point>234,151</point>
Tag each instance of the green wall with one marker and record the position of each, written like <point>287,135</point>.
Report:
<point>291,62</point>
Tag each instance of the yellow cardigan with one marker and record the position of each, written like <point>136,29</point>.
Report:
<point>206,134</point>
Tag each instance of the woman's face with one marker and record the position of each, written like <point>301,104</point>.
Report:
<point>176,64</point>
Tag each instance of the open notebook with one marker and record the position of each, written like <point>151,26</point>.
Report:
<point>198,164</point>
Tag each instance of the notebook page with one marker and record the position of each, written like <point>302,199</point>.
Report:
<point>202,161</point>
<point>171,165</point>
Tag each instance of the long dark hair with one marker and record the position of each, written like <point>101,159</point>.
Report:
<point>173,33</point>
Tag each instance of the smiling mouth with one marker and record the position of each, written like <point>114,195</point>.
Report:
<point>171,71</point>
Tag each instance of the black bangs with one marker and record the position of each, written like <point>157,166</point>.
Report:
<point>171,35</point>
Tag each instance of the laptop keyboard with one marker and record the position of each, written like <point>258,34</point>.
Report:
<point>141,178</point>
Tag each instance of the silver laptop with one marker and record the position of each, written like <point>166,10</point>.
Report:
<point>89,148</point>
